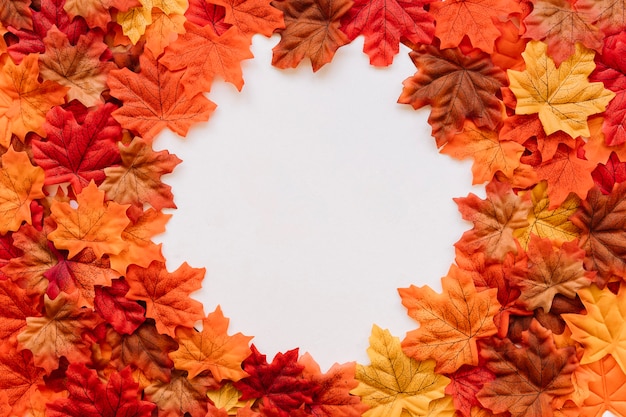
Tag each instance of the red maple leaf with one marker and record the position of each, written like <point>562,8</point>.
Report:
<point>203,13</point>
<point>465,384</point>
<point>124,315</point>
<point>605,176</point>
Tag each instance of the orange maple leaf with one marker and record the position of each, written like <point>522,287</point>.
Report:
<point>252,16</point>
<point>607,391</point>
<point>156,98</point>
<point>451,322</point>
<point>93,224</point>
<point>20,184</point>
<point>167,294</point>
<point>179,395</point>
<point>212,349</point>
<point>163,30</point>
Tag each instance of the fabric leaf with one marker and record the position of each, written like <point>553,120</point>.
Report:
<point>252,16</point>
<point>124,315</point>
<point>178,396</point>
<point>608,391</point>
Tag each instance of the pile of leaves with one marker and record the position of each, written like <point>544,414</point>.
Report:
<point>531,320</point>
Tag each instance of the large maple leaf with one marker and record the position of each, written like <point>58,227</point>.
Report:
<point>458,86</point>
<point>474,19</point>
<point>311,31</point>
<point>450,322</point>
<point>206,55</point>
<point>602,330</point>
<point>384,23</point>
<point>212,349</point>
<point>495,219</point>
<point>156,98</point>
<point>563,97</point>
<point>167,294</point>
<point>20,184</point>
<point>394,384</point>
<point>94,224</point>
<point>138,180</point>
<point>252,16</point>
<point>24,100</point>
<point>78,151</point>
<point>532,379</point>
<point>607,391</point>
<point>89,396</point>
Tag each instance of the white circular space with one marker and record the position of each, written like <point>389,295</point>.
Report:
<point>310,198</point>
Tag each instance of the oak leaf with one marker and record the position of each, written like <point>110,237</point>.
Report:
<point>394,385</point>
<point>495,219</point>
<point>601,330</point>
<point>138,180</point>
<point>20,184</point>
<point>252,16</point>
<point>474,19</point>
<point>384,23</point>
<point>450,322</point>
<point>563,97</point>
<point>77,151</point>
<point>458,86</point>
<point>532,379</point>
<point>124,315</point>
<point>608,391</point>
<point>167,294</point>
<point>179,396</point>
<point>94,224</point>
<point>155,99</point>
<point>211,349</point>
<point>311,31</point>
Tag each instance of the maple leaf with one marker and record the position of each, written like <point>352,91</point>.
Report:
<point>20,380</point>
<point>608,391</point>
<point>608,15</point>
<point>474,19</point>
<point>465,384</point>
<point>147,350</point>
<point>384,23</point>
<point>489,153</point>
<point>15,306</point>
<point>20,184</point>
<point>545,222</point>
<point>225,401</point>
<point>23,99</point>
<point>211,349</point>
<point>155,99</point>
<point>605,176</point>
<point>178,396</point>
<point>561,96</point>
<point>16,13</point>
<point>206,55</point>
<point>135,20</point>
<point>138,180</point>
<point>520,128</point>
<point>203,13</point>
<point>90,396</point>
<point>94,224</point>
<point>601,330</point>
<point>78,152</point>
<point>311,31</point>
<point>96,12</point>
<point>8,251</point>
<point>167,294</point>
<point>252,17</point>
<point>163,30</point>
<point>124,315</point>
<point>394,383</point>
<point>495,219</point>
<point>450,323</point>
<point>58,333</point>
<point>458,86</point>
<point>603,232</point>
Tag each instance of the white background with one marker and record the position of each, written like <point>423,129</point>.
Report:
<point>310,198</point>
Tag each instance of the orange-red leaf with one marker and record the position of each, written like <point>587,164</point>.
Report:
<point>252,16</point>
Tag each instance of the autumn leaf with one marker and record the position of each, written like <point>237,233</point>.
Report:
<point>495,219</point>
<point>20,184</point>
<point>94,224</point>
<point>605,176</point>
<point>203,13</point>
<point>608,391</point>
<point>384,23</point>
<point>167,294</point>
<point>450,322</point>
<point>23,99</point>
<point>138,180</point>
<point>521,128</point>
<point>490,154</point>
<point>58,333</point>
<point>96,12</point>
<point>78,152</point>
<point>178,396</point>
<point>394,384</point>
<point>458,86</point>
<point>532,379</point>
<point>252,16</point>
<point>124,315</point>
<point>88,395</point>
<point>465,384</point>
<point>15,306</point>
<point>601,330</point>
<point>211,349</point>
<point>474,19</point>
<point>16,13</point>
<point>155,99</point>
<point>206,55</point>
<point>561,96</point>
<point>135,20</point>
<point>21,380</point>
<point>311,31</point>
<point>163,30</point>
<point>608,15</point>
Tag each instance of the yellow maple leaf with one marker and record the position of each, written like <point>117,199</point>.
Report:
<point>20,183</point>
<point>135,21</point>
<point>394,384</point>
<point>563,97</point>
<point>227,399</point>
<point>602,331</point>
<point>93,224</point>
